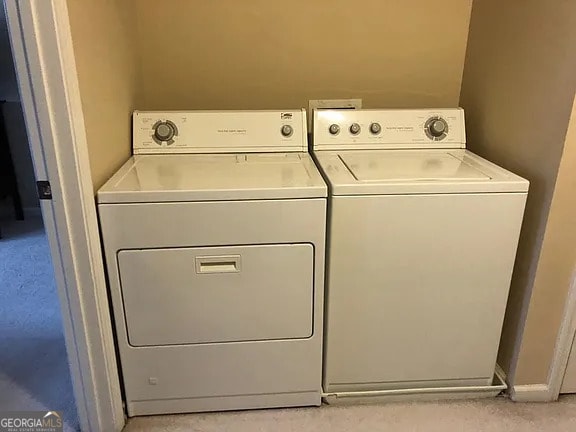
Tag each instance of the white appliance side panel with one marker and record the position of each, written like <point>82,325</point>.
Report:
<point>217,294</point>
<point>182,378</point>
<point>417,290</point>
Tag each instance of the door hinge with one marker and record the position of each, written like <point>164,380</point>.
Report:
<point>44,190</point>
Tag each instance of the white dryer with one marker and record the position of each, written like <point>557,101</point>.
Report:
<point>214,236</point>
<point>422,237</point>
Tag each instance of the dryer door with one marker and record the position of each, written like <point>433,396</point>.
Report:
<point>217,294</point>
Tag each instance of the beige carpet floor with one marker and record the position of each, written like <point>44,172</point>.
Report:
<point>488,415</point>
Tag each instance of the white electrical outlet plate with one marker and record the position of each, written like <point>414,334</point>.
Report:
<point>330,103</point>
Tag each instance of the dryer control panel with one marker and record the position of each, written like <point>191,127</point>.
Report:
<point>156,132</point>
<point>389,129</point>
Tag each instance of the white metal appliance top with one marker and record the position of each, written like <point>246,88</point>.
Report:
<point>389,129</point>
<point>161,132</point>
<point>214,177</point>
<point>392,172</point>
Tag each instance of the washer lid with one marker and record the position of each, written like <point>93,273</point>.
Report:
<point>217,177</point>
<point>367,172</point>
<point>405,165</point>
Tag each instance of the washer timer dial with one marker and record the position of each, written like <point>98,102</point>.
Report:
<point>436,128</point>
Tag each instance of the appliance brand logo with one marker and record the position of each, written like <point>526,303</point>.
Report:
<point>31,421</point>
<point>286,116</point>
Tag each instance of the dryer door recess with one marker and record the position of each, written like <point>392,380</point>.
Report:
<point>217,294</point>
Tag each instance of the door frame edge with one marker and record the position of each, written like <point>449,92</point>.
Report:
<point>43,54</point>
<point>563,342</point>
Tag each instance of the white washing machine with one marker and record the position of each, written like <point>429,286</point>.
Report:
<point>214,236</point>
<point>422,237</point>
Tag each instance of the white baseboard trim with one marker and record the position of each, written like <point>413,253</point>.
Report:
<point>531,393</point>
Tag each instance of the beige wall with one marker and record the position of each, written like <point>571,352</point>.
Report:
<point>107,72</point>
<point>555,271</point>
<point>518,88</point>
<point>270,54</point>
<point>182,54</point>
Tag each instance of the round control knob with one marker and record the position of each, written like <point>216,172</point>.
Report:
<point>354,128</point>
<point>164,131</point>
<point>375,128</point>
<point>286,130</point>
<point>436,128</point>
<point>334,129</point>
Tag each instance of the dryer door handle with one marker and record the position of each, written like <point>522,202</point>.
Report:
<point>218,264</point>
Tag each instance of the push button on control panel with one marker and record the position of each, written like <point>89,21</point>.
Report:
<point>334,129</point>
<point>375,128</point>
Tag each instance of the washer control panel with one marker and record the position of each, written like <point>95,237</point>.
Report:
<point>218,131</point>
<point>402,128</point>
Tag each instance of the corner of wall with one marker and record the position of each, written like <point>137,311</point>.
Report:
<point>554,272</point>
<point>466,51</point>
<point>499,68</point>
